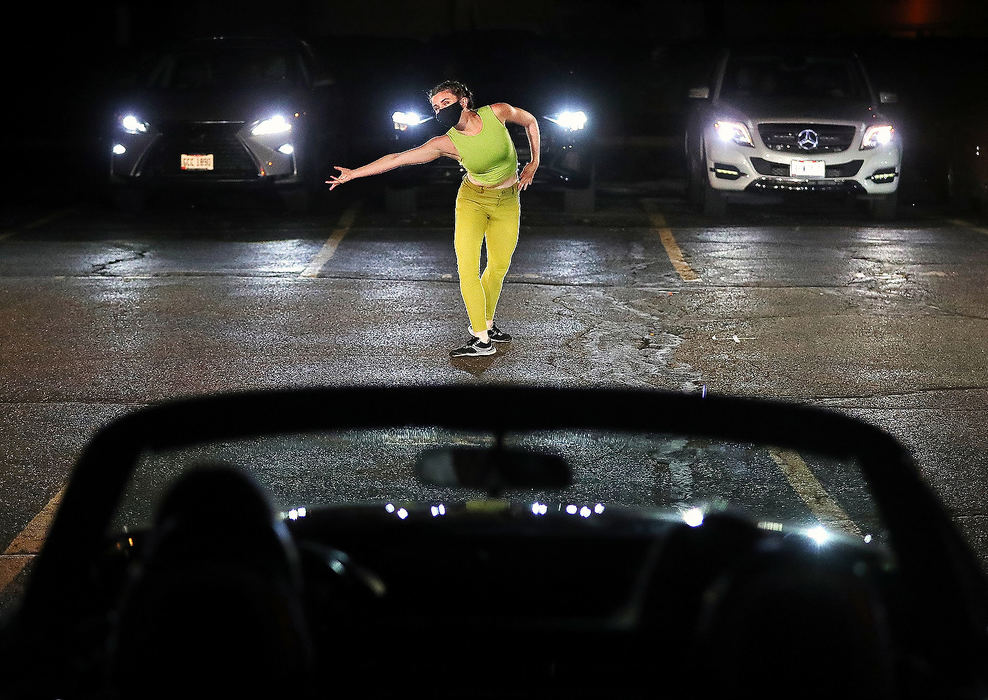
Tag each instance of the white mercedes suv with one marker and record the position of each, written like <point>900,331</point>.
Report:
<point>781,121</point>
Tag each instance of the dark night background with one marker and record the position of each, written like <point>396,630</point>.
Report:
<point>638,58</point>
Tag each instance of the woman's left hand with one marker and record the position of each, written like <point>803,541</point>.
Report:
<point>527,173</point>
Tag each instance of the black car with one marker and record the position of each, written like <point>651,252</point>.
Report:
<point>391,110</point>
<point>967,174</point>
<point>234,112</point>
<point>382,541</point>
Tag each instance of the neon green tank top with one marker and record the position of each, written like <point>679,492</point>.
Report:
<point>488,156</point>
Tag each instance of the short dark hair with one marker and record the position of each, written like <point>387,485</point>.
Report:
<point>455,87</point>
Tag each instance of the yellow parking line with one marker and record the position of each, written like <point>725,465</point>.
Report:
<point>28,542</point>
<point>811,491</point>
<point>330,246</point>
<point>968,225</point>
<point>686,273</point>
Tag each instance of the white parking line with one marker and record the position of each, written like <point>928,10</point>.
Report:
<point>811,491</point>
<point>330,246</point>
<point>686,273</point>
<point>28,542</point>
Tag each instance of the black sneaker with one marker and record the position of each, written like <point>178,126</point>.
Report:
<point>497,335</point>
<point>473,348</point>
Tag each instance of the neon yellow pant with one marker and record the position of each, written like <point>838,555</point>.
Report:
<point>482,212</point>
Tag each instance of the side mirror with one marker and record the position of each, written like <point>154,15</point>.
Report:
<point>888,98</point>
<point>699,93</point>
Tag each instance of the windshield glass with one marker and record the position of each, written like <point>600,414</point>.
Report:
<point>677,473</point>
<point>227,68</point>
<point>792,77</point>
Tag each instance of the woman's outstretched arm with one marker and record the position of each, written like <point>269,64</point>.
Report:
<point>428,151</point>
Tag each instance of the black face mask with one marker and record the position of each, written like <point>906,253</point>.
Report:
<point>449,116</point>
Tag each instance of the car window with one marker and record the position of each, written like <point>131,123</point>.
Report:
<point>792,77</point>
<point>198,70</point>
<point>660,471</point>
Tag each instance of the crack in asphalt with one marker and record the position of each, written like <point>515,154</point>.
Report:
<point>100,269</point>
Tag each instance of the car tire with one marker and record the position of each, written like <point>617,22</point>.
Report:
<point>702,196</point>
<point>714,203</point>
<point>959,199</point>
<point>884,208</point>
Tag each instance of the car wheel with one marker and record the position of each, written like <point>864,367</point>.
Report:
<point>714,202</point>
<point>702,196</point>
<point>884,208</point>
<point>694,181</point>
<point>959,199</point>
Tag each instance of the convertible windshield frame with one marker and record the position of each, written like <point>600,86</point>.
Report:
<point>931,554</point>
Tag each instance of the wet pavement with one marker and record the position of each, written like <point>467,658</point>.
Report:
<point>103,311</point>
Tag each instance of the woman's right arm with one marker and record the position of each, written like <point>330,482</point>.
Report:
<point>428,151</point>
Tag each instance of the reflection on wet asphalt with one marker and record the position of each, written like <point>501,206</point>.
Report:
<point>102,311</point>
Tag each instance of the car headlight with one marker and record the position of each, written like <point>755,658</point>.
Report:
<point>735,132</point>
<point>133,124</point>
<point>878,135</point>
<point>403,120</point>
<point>572,121</point>
<point>275,125</point>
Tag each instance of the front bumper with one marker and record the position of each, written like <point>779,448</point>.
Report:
<point>238,157</point>
<point>869,172</point>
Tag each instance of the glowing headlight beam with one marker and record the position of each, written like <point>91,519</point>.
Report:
<point>403,120</point>
<point>132,125</point>
<point>693,517</point>
<point>818,535</point>
<point>877,135</point>
<point>275,125</point>
<point>733,131</point>
<point>573,121</point>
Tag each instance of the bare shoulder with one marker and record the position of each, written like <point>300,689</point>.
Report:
<point>509,113</point>
<point>444,144</point>
<point>502,110</point>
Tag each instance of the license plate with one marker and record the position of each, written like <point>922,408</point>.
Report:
<point>197,161</point>
<point>807,168</point>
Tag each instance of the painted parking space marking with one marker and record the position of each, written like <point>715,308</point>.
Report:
<point>27,544</point>
<point>811,491</point>
<point>675,253</point>
<point>329,247</point>
<point>968,225</point>
<point>37,223</point>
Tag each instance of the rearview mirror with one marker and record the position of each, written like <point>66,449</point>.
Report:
<point>699,93</point>
<point>494,470</point>
<point>887,98</point>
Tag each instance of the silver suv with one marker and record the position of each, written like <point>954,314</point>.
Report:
<point>780,121</point>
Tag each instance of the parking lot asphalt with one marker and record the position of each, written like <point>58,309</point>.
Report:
<point>103,311</point>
